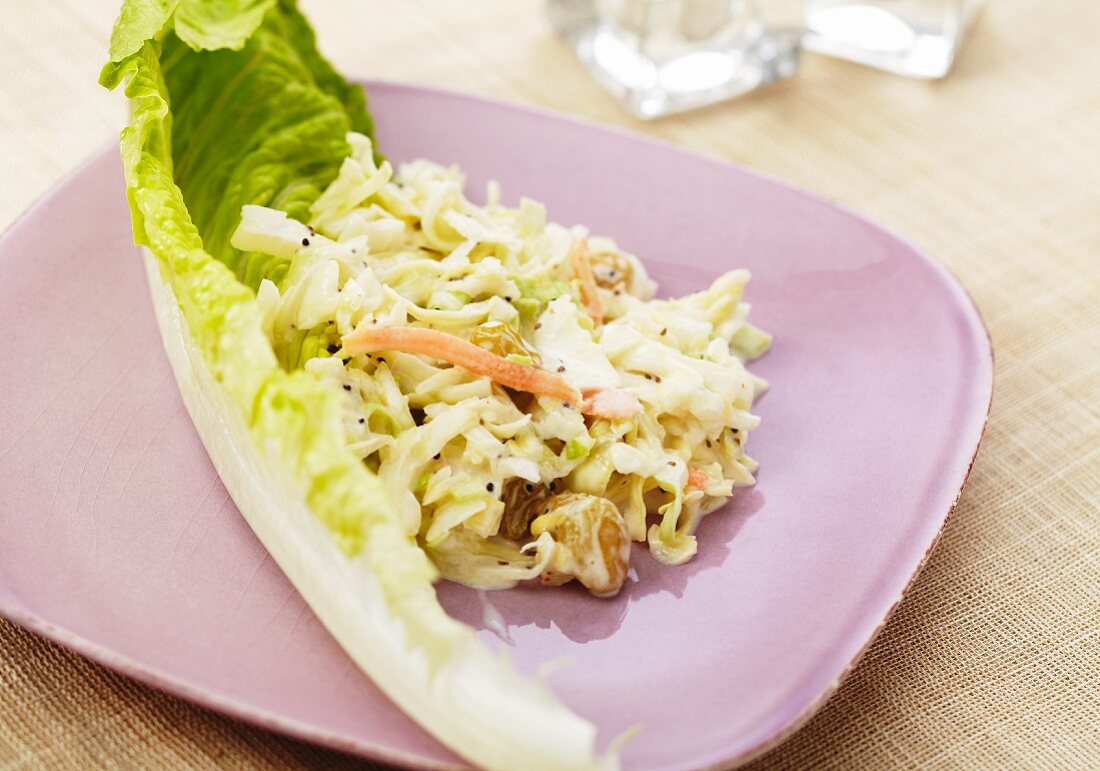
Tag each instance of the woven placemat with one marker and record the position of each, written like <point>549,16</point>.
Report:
<point>993,660</point>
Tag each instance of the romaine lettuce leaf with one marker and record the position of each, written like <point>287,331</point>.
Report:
<point>258,116</point>
<point>210,131</point>
<point>209,26</point>
<point>201,24</point>
<point>138,21</point>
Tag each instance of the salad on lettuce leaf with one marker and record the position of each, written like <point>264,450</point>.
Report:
<point>397,384</point>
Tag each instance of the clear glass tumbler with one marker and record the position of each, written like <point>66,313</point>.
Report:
<point>917,38</point>
<point>664,56</point>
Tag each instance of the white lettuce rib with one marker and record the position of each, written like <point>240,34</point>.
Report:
<point>475,703</point>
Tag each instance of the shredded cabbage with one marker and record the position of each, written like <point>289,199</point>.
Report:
<point>454,266</point>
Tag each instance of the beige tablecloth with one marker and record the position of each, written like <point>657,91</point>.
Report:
<point>993,660</point>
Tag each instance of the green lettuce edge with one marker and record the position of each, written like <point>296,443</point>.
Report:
<point>290,415</point>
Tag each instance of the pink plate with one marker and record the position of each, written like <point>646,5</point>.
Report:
<point>118,540</point>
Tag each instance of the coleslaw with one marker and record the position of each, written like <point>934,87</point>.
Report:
<point>529,406</point>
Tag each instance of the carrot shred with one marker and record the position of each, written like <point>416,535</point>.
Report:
<point>582,269</point>
<point>697,478</point>
<point>459,352</point>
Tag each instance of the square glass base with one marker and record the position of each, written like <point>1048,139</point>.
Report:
<point>916,38</point>
<point>663,56</point>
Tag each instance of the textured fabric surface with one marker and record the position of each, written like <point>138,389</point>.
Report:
<point>993,659</point>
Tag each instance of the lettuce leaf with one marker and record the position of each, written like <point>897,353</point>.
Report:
<point>219,25</point>
<point>212,129</point>
<point>258,115</point>
<point>137,22</point>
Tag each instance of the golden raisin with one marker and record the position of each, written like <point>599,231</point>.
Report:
<point>611,269</point>
<point>592,543</point>
<point>522,503</point>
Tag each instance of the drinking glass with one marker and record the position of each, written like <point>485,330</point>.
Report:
<point>664,56</point>
<point>918,38</point>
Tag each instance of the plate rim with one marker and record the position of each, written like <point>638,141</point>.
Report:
<point>264,719</point>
